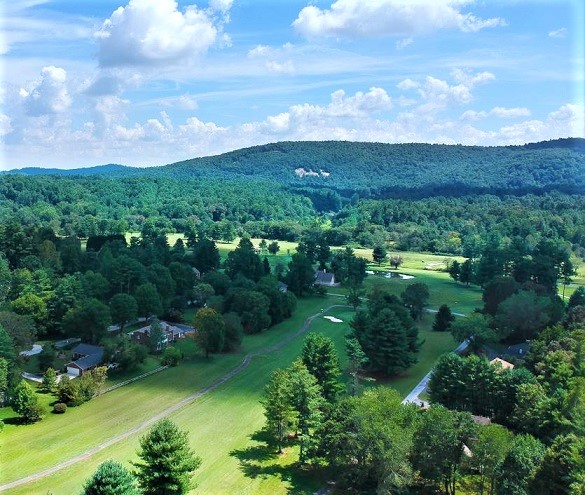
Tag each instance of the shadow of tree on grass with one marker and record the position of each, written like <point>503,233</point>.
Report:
<point>261,460</point>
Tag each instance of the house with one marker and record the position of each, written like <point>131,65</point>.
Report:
<point>505,365</point>
<point>481,420</point>
<point>85,357</point>
<point>171,333</point>
<point>517,351</point>
<point>323,277</point>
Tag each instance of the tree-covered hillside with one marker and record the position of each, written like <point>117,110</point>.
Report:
<point>389,170</point>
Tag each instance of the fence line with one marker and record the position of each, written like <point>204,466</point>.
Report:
<point>126,382</point>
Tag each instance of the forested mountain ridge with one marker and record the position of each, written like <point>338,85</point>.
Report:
<point>388,170</point>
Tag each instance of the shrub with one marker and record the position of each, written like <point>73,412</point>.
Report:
<point>59,408</point>
<point>171,356</point>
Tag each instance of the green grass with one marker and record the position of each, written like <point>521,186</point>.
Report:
<point>222,425</point>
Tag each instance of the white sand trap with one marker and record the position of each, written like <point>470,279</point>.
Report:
<point>333,319</point>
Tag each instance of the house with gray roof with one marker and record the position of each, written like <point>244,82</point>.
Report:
<point>323,277</point>
<point>85,357</point>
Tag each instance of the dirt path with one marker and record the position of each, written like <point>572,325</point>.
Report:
<point>170,410</point>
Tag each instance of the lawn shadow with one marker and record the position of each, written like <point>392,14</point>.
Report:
<point>261,460</point>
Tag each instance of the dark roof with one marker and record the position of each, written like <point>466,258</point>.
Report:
<point>88,350</point>
<point>518,350</point>
<point>323,277</point>
<point>90,361</point>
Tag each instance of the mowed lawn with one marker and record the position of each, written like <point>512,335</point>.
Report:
<point>222,424</point>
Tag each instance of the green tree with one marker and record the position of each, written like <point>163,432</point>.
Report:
<point>466,272</point>
<point>523,315</point>
<point>148,300</point>
<point>306,400</point>
<point>89,320</point>
<point>320,358</point>
<point>443,319</point>
<point>123,309</point>
<point>111,478</point>
<point>520,466</point>
<point>273,248</point>
<point>49,383</point>
<point>167,461</point>
<point>396,260</point>
<point>21,329</point>
<point>489,451</point>
<point>563,459</point>
<point>206,255</point>
<point>33,306</point>
<point>280,415</point>
<point>366,441</point>
<point>379,254</point>
<point>455,270</point>
<point>7,350</point>
<point>357,359</point>
<point>415,298</point>
<point>253,308</point>
<point>3,380</point>
<point>577,298</point>
<point>300,276</point>
<point>476,328</point>
<point>244,261</point>
<point>156,336</point>
<point>438,442</point>
<point>349,269</point>
<point>234,332</point>
<point>209,330</point>
<point>25,403</point>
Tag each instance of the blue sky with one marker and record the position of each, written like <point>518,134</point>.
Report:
<point>150,82</point>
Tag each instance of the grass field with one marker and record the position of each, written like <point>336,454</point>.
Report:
<point>222,425</point>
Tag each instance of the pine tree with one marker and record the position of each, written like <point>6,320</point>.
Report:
<point>111,478</point>
<point>320,358</point>
<point>49,383</point>
<point>443,319</point>
<point>167,461</point>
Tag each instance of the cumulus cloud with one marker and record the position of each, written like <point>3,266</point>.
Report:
<point>500,112</point>
<point>49,95</point>
<point>558,33</point>
<point>275,58</point>
<point>5,125</point>
<point>403,43</point>
<point>368,18</point>
<point>155,32</point>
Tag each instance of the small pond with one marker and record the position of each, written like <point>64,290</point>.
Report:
<point>402,276</point>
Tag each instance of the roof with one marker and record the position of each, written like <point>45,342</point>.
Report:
<point>323,277</point>
<point>90,361</point>
<point>518,350</point>
<point>504,364</point>
<point>88,349</point>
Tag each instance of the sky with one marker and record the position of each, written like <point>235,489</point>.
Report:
<point>151,82</point>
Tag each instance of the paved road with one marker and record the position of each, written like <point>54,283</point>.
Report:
<point>186,401</point>
<point>412,397</point>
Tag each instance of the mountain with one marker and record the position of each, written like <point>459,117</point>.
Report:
<point>110,169</point>
<point>380,170</point>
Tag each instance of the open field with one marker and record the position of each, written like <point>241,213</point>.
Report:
<point>220,424</point>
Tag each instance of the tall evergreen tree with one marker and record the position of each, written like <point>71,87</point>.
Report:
<point>280,414</point>
<point>244,261</point>
<point>320,358</point>
<point>167,461</point>
<point>443,319</point>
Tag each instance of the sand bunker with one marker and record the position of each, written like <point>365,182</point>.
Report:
<point>333,319</point>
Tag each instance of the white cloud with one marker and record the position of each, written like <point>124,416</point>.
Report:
<point>5,125</point>
<point>407,84</point>
<point>49,95</point>
<point>286,67</point>
<point>558,33</point>
<point>220,5</point>
<point>368,18</point>
<point>155,32</point>
<point>499,112</point>
<point>403,43</point>
<point>507,113</point>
